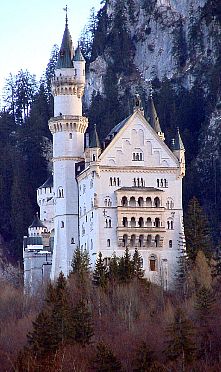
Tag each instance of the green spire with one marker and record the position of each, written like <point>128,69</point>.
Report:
<point>78,55</point>
<point>66,50</point>
<point>94,139</point>
<point>178,143</point>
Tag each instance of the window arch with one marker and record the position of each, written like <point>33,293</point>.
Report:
<point>124,201</point>
<point>140,201</point>
<point>133,222</point>
<point>108,243</point>
<point>149,202</point>
<point>149,240</point>
<point>125,222</point>
<point>170,244</point>
<point>149,222</point>
<point>157,202</point>
<point>125,240</point>
<point>132,202</point>
<point>70,135</point>
<point>62,224</point>
<point>60,193</point>
<point>140,222</point>
<point>157,222</point>
<point>157,241</point>
<point>133,240</point>
<point>141,240</point>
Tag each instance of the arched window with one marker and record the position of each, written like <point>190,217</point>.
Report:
<point>114,183</point>
<point>125,240</point>
<point>157,241</point>
<point>108,242</point>
<point>118,181</point>
<point>165,183</point>
<point>149,222</point>
<point>134,156</point>
<point>140,201</point>
<point>157,222</point>
<point>140,222</point>
<point>94,157</point>
<point>148,202</point>
<point>111,181</point>
<point>105,202</point>
<point>124,201</point>
<point>70,135</point>
<point>170,244</point>
<point>132,201</point>
<point>138,182</point>
<point>106,222</point>
<point>62,224</point>
<point>168,225</point>
<point>158,182</point>
<point>60,193</point>
<point>109,223</point>
<point>135,182</point>
<point>72,241</point>
<point>91,244</point>
<point>83,230</point>
<point>133,240</point>
<point>157,202</point>
<point>125,222</point>
<point>171,225</point>
<point>133,222</point>
<point>149,240</point>
<point>153,263</point>
<point>141,240</point>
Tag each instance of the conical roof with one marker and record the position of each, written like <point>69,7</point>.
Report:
<point>178,143</point>
<point>78,55</point>
<point>66,51</point>
<point>37,222</point>
<point>47,183</point>
<point>94,139</point>
<point>154,120</point>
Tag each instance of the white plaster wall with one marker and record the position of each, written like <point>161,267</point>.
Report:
<point>65,146</point>
<point>67,105</point>
<point>46,204</point>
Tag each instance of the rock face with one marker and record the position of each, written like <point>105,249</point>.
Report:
<point>175,44</point>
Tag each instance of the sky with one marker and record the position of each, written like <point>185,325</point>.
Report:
<point>30,28</point>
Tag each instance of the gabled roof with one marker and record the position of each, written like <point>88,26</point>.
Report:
<point>37,222</point>
<point>66,51</point>
<point>94,139</point>
<point>47,183</point>
<point>117,127</point>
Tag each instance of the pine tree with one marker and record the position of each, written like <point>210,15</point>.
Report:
<point>137,263</point>
<point>43,340</point>
<point>105,360</point>
<point>197,230</point>
<point>126,267</point>
<point>81,263</point>
<point>204,305</point>
<point>180,345</point>
<point>113,274</point>
<point>100,272</point>
<point>82,323</point>
<point>201,272</point>
<point>143,359</point>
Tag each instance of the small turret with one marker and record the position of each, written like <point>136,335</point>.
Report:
<point>94,150</point>
<point>79,65</point>
<point>153,118</point>
<point>179,151</point>
<point>37,227</point>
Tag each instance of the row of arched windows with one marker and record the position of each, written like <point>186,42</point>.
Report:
<point>139,182</point>
<point>162,182</point>
<point>108,222</point>
<point>114,181</point>
<point>137,156</point>
<point>107,202</point>
<point>141,222</point>
<point>140,202</point>
<point>141,240</point>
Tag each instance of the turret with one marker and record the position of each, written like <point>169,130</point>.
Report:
<point>37,228</point>
<point>179,151</point>
<point>68,127</point>
<point>153,118</point>
<point>93,152</point>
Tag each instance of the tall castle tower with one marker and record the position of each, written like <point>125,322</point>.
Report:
<point>68,127</point>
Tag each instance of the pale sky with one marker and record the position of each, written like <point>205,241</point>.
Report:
<point>30,28</point>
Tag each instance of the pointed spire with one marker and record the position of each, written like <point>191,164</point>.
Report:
<point>94,139</point>
<point>178,143</point>
<point>78,54</point>
<point>66,50</point>
<point>154,120</point>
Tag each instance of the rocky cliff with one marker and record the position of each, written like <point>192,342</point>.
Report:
<point>177,46</point>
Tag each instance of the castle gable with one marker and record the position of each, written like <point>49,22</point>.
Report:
<point>137,144</point>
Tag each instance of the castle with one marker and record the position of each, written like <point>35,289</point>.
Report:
<point>125,193</point>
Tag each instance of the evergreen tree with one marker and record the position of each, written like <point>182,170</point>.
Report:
<point>126,267</point>
<point>180,344</point>
<point>81,263</point>
<point>82,322</point>
<point>113,274</point>
<point>137,263</point>
<point>143,359</point>
<point>204,305</point>
<point>43,340</point>
<point>201,272</point>
<point>100,272</point>
<point>105,360</point>
<point>196,230</point>
<point>182,273</point>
